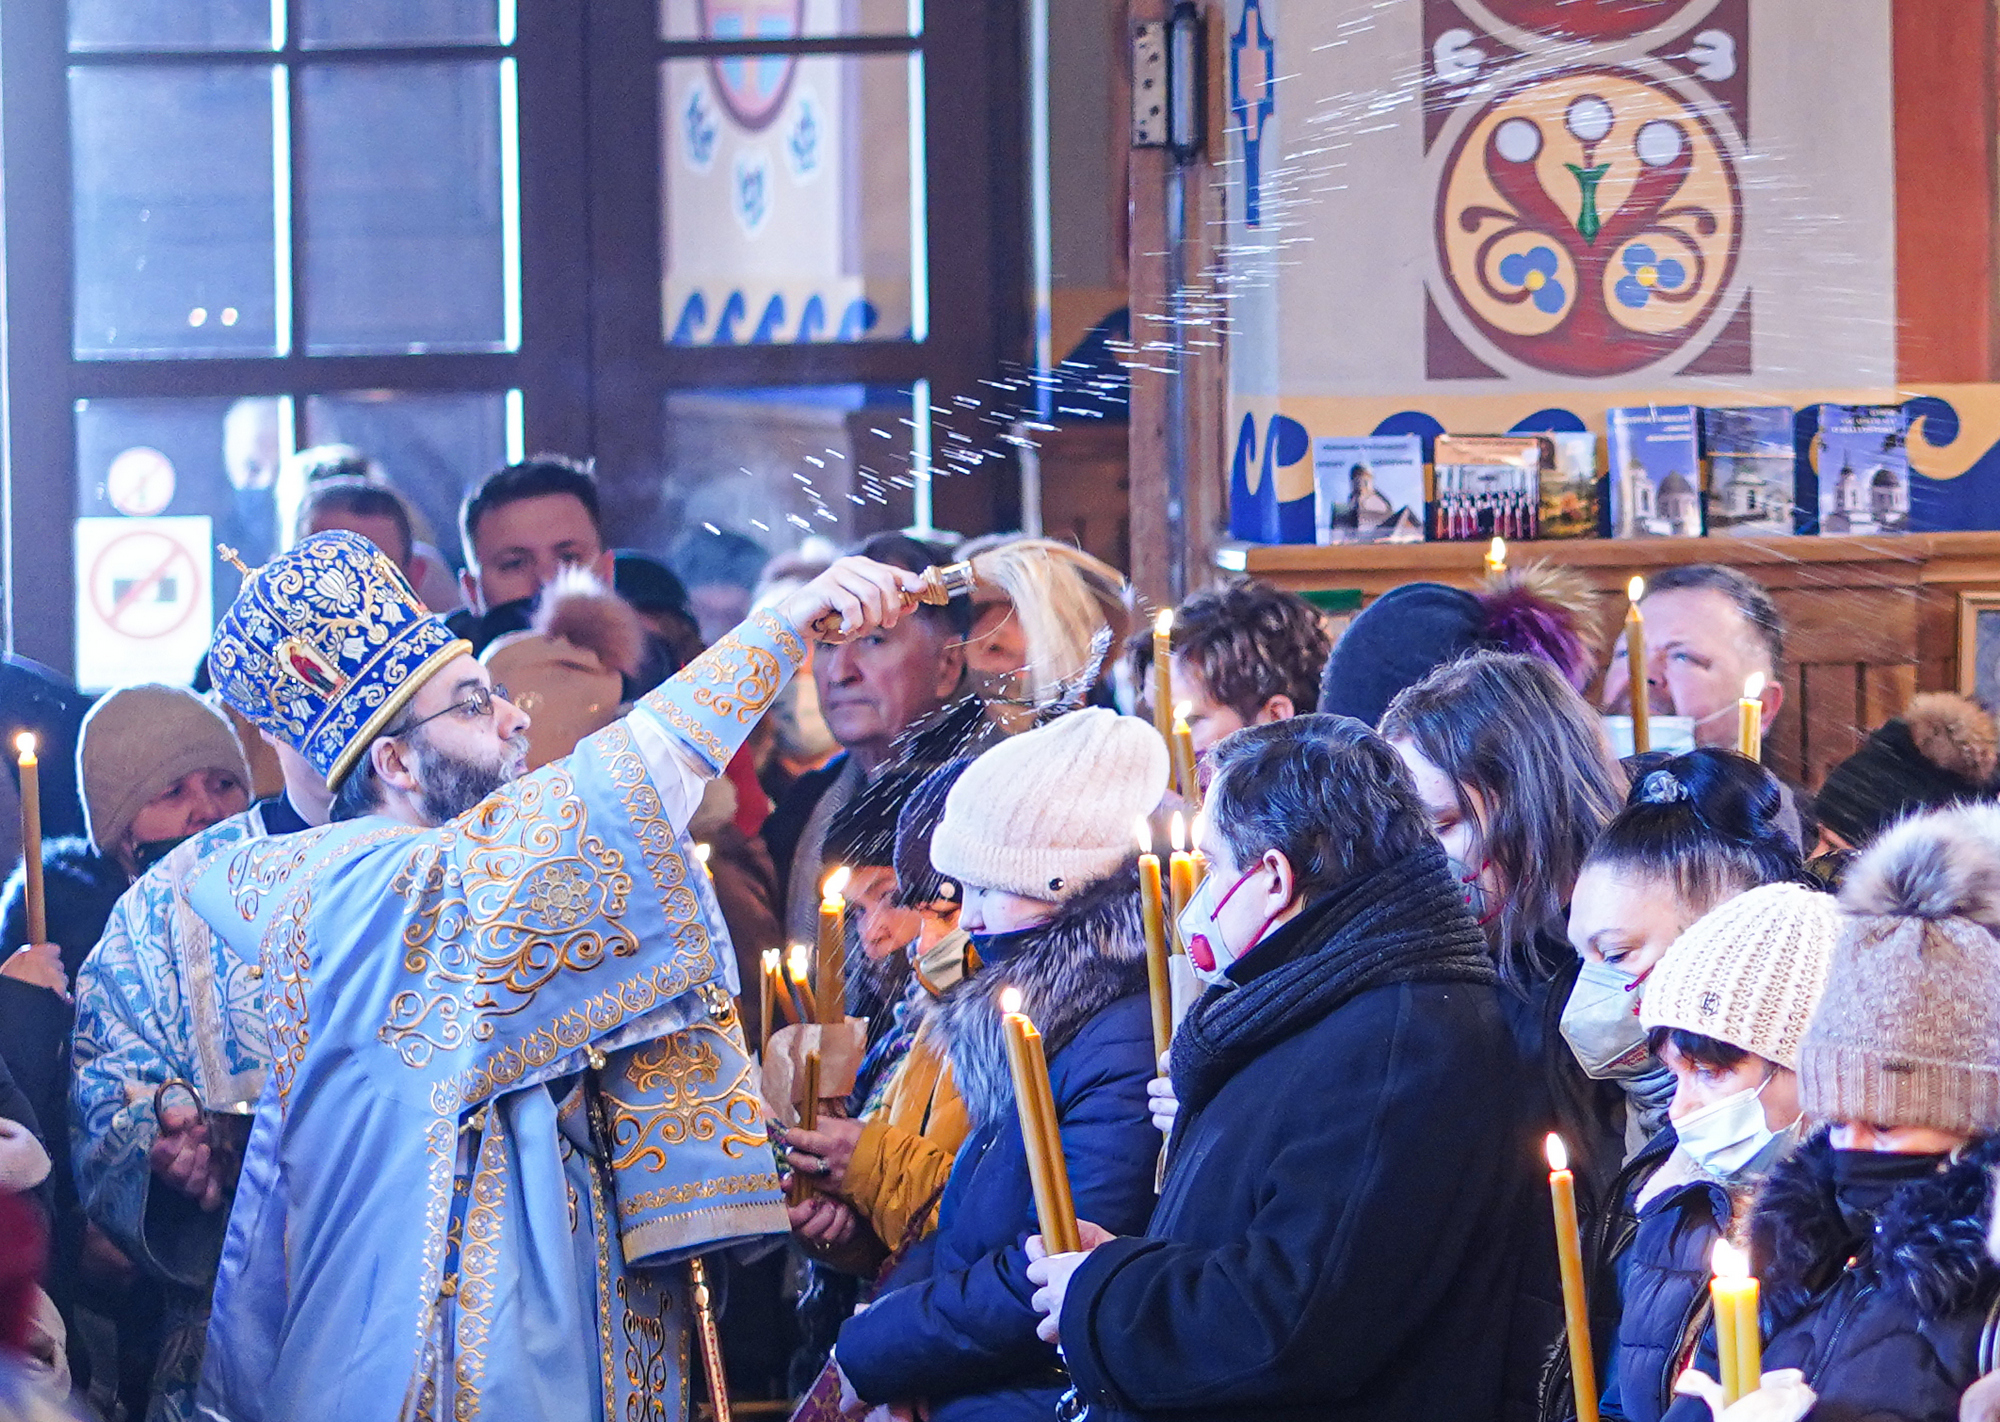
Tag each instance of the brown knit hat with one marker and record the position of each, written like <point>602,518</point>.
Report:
<point>1049,812</point>
<point>137,742</point>
<point>1908,1032</point>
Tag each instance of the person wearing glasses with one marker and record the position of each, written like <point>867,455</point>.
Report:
<point>509,1092</point>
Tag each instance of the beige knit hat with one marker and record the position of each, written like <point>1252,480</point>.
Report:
<point>1908,1032</point>
<point>137,742</point>
<point>1048,812</point>
<point>1749,972</point>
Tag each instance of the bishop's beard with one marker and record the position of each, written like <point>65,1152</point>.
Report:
<point>450,785</point>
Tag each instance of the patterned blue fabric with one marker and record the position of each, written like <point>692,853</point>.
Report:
<point>426,1224</point>
<point>324,644</point>
<point>162,998</point>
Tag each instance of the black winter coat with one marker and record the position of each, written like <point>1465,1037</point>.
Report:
<point>1334,1237</point>
<point>1663,1273</point>
<point>1886,1329</point>
<point>955,1326</point>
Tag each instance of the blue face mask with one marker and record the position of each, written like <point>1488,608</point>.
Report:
<point>996,948</point>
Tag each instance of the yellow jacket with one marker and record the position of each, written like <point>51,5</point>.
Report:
<point>905,1150</point>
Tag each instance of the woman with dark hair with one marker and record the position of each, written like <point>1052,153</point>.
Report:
<point>1515,776</point>
<point>1335,1235</point>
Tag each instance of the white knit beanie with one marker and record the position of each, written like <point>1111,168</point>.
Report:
<point>137,742</point>
<point>1749,972</point>
<point>1049,812</point>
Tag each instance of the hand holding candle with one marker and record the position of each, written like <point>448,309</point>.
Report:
<point>831,983</point>
<point>1739,1345</point>
<point>1040,1130</point>
<point>1153,914</point>
<point>31,838</point>
<point>1636,674</point>
<point>1569,1256</point>
<point>1750,717</point>
<point>1163,693</point>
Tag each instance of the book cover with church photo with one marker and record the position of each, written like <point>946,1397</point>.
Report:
<point>1653,456</point>
<point>1752,470</point>
<point>1569,487</point>
<point>1862,465</point>
<point>1370,490</point>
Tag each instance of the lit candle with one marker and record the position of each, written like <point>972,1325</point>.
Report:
<point>1739,1344</point>
<point>701,852</point>
<point>1750,717</point>
<point>832,980</point>
<point>1163,694</point>
<point>1182,746</point>
<point>1153,914</point>
<point>1040,1131</point>
<point>798,964</point>
<point>1635,669</point>
<point>31,837</point>
<point>1496,556</point>
<point>768,993</point>
<point>1569,1255</point>
<point>1195,828</point>
<point>1180,866</point>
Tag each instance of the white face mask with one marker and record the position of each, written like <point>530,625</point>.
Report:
<point>1729,1136</point>
<point>1663,733</point>
<point>1208,952</point>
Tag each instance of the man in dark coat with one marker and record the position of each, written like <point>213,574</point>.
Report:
<point>1334,1236</point>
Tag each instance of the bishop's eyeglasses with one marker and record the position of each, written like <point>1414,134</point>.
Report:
<point>479,703</point>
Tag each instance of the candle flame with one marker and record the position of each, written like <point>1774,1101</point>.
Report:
<point>1496,553</point>
<point>1558,1152</point>
<point>1196,827</point>
<point>1163,622</point>
<point>25,743</point>
<point>772,960</point>
<point>1145,835</point>
<point>800,961</point>
<point>1635,589</point>
<point>1729,1261</point>
<point>702,851</point>
<point>1177,831</point>
<point>1182,710</point>
<point>1010,999</point>
<point>836,883</point>
<point>1753,686</point>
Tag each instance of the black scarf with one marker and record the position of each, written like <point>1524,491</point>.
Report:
<point>1406,923</point>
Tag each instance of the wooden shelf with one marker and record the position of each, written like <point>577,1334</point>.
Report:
<point>1869,621</point>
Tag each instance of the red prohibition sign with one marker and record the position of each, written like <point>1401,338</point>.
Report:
<point>174,559</point>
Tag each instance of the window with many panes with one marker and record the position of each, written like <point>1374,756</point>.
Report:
<point>744,253</point>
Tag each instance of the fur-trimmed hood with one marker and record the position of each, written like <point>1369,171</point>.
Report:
<point>1091,954</point>
<point>81,887</point>
<point>1930,1239</point>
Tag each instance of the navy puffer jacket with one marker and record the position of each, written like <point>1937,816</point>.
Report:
<point>1886,1328</point>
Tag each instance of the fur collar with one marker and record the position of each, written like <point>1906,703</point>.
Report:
<point>1091,954</point>
<point>1930,1239</point>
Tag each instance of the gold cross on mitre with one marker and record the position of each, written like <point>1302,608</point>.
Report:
<point>229,556</point>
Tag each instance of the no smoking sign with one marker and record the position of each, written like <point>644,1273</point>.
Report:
<point>145,601</point>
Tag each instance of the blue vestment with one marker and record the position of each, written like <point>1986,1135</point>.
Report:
<point>507,1083</point>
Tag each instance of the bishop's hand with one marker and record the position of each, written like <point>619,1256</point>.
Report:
<point>864,595</point>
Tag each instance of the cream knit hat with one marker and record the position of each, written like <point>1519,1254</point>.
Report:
<point>1749,972</point>
<point>1908,1033</point>
<point>1048,812</point>
<point>137,742</point>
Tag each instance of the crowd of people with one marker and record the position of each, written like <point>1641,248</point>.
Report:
<point>406,1016</point>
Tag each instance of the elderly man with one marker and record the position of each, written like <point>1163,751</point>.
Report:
<point>498,993</point>
<point>1708,629</point>
<point>884,698</point>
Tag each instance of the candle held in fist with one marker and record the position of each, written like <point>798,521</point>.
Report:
<point>1569,1257</point>
<point>1750,717</point>
<point>1153,915</point>
<point>1739,1343</point>
<point>1637,690</point>
<point>1035,1102</point>
<point>830,986</point>
<point>35,897</point>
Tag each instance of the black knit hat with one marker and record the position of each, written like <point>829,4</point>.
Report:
<point>917,881</point>
<point>1397,641</point>
<point>1941,751</point>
